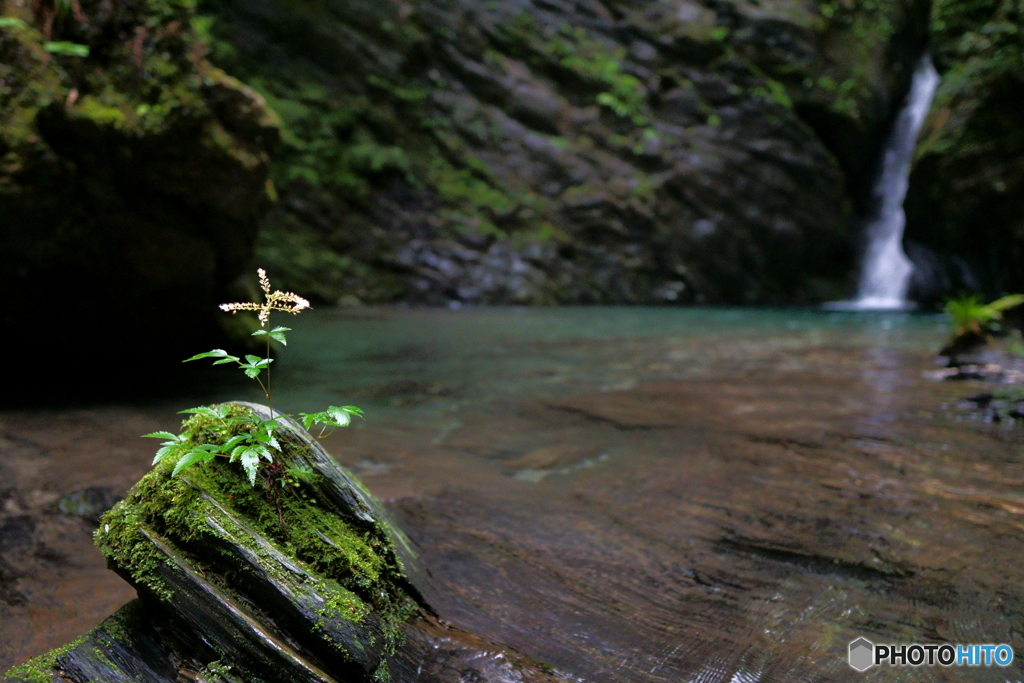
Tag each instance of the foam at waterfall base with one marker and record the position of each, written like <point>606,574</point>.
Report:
<point>871,303</point>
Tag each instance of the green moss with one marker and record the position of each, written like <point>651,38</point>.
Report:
<point>855,33</point>
<point>355,568</point>
<point>590,60</point>
<point>977,45</point>
<point>42,669</point>
<point>461,187</point>
<point>101,656</point>
<point>92,108</point>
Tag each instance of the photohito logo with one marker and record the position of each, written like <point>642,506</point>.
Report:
<point>864,654</point>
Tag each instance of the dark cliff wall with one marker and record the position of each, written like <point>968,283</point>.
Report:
<point>965,207</point>
<point>131,178</point>
<point>434,151</point>
<point>553,151</point>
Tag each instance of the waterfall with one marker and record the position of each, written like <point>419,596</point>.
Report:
<point>886,270</point>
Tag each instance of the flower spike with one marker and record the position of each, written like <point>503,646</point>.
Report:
<point>286,302</point>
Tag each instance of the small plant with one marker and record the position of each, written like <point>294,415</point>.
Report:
<point>974,321</point>
<point>234,432</point>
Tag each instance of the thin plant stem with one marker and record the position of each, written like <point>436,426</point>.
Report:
<point>270,404</point>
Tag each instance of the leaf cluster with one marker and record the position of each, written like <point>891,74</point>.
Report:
<point>334,416</point>
<point>220,432</point>
<point>972,317</point>
<point>235,437</point>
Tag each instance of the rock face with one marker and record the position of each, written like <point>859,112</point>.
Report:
<point>540,151</point>
<point>131,179</point>
<point>965,207</point>
<point>250,583</point>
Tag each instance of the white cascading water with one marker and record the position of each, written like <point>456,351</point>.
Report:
<point>886,269</point>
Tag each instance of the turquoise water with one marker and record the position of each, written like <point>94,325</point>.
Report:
<point>421,360</point>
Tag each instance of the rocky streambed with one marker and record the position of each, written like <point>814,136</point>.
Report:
<point>630,496</point>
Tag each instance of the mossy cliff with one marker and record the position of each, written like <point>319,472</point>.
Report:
<point>537,152</point>
<point>132,173</point>
<point>965,208</point>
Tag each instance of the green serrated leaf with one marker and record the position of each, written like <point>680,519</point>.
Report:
<point>201,410</point>
<point>281,329</point>
<point>252,373</point>
<point>216,353</point>
<point>250,463</point>
<point>162,435</point>
<point>191,458</point>
<point>252,359</point>
<point>168,449</point>
<point>338,417</point>
<point>259,333</point>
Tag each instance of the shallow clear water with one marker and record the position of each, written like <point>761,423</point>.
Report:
<point>628,494</point>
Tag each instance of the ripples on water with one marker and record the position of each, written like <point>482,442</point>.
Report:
<point>657,494</point>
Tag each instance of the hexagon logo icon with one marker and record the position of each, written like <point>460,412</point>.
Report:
<point>862,654</point>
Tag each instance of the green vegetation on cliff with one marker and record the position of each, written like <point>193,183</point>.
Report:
<point>521,152</point>
<point>965,208</point>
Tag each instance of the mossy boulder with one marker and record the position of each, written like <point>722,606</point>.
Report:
<point>537,152</point>
<point>250,583</point>
<point>132,175</point>
<point>965,206</point>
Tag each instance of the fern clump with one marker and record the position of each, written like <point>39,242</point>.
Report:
<point>975,321</point>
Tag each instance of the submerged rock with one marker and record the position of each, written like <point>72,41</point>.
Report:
<point>246,583</point>
<point>539,152</point>
<point>88,503</point>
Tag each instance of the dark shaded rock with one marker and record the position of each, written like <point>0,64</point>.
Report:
<point>131,180</point>
<point>966,197</point>
<point>240,583</point>
<point>17,531</point>
<point>545,152</point>
<point>89,503</point>
<point>9,593</point>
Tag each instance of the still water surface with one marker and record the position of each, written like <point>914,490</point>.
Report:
<point>484,355</point>
<point>634,494</point>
